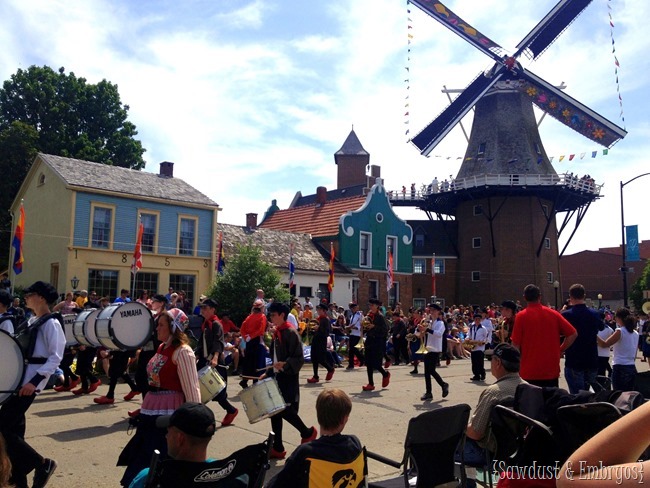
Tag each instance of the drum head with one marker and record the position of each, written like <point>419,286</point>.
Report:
<point>12,365</point>
<point>129,325</point>
<point>89,328</point>
<point>68,323</point>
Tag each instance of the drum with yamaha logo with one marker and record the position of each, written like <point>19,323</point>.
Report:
<point>12,366</point>
<point>124,326</point>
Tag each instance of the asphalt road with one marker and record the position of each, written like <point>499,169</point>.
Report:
<point>86,438</point>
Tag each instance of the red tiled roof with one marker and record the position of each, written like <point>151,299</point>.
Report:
<point>317,220</point>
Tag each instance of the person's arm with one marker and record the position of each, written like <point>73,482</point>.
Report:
<point>295,359</point>
<point>610,457</point>
<point>611,340</point>
<point>186,365</point>
<point>566,343</point>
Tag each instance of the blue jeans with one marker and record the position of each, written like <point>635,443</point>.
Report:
<point>623,376</point>
<point>580,379</point>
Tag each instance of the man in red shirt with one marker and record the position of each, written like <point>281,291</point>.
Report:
<point>537,332</point>
<point>252,334</point>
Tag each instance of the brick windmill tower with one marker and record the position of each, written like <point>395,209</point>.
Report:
<point>507,195</point>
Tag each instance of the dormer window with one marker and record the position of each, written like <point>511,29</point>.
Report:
<point>481,150</point>
<point>41,179</point>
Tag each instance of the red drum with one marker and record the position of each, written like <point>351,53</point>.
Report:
<point>12,366</point>
<point>83,328</point>
<point>124,326</point>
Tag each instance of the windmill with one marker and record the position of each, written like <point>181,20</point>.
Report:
<point>507,194</point>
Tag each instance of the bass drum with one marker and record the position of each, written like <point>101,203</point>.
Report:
<point>12,366</point>
<point>83,328</point>
<point>124,326</point>
<point>67,324</point>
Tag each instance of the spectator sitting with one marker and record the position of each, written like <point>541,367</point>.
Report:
<point>333,407</point>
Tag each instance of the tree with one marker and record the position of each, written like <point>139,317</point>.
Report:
<point>643,283</point>
<point>246,272</point>
<point>57,113</point>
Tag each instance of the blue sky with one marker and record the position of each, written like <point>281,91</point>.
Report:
<point>250,99</point>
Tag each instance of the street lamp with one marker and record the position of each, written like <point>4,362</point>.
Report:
<point>600,301</point>
<point>556,285</point>
<point>624,268</point>
<point>74,282</point>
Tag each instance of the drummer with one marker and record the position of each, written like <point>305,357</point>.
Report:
<point>288,359</point>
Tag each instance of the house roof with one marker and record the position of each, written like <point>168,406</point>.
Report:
<point>352,146</point>
<point>307,255</point>
<point>350,191</point>
<point>317,220</point>
<point>437,239</point>
<point>115,179</point>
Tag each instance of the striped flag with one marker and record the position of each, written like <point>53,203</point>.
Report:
<point>19,234</point>
<point>330,281</point>
<point>292,267</point>
<point>137,252</point>
<point>389,271</point>
<point>221,262</point>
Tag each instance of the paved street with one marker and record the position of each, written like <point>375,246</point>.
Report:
<point>86,438</point>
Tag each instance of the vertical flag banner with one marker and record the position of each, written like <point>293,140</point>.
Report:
<point>137,252</point>
<point>19,234</point>
<point>221,263</point>
<point>389,271</point>
<point>433,276</point>
<point>292,268</point>
<point>330,281</point>
<point>632,240</point>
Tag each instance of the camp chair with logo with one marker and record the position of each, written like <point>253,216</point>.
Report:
<point>429,449</point>
<point>327,474</point>
<point>252,461</point>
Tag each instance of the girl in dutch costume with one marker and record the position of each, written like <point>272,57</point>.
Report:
<point>173,381</point>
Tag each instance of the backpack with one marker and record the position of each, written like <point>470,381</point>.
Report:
<point>26,334</point>
<point>11,318</point>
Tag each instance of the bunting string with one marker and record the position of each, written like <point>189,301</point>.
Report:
<point>407,81</point>
<point>617,65</point>
<point>577,156</point>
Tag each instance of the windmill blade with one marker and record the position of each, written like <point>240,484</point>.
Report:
<point>457,25</point>
<point>432,134</point>
<point>569,111</point>
<point>551,26</point>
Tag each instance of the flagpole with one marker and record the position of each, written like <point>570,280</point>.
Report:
<point>133,264</point>
<point>12,252</point>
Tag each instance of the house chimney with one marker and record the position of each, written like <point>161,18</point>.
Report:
<point>167,169</point>
<point>251,220</point>
<point>321,195</point>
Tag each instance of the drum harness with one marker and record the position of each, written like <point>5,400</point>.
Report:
<point>26,334</point>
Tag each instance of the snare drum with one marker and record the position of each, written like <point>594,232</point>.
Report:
<point>211,383</point>
<point>124,326</point>
<point>83,328</point>
<point>68,323</point>
<point>12,366</point>
<point>262,400</point>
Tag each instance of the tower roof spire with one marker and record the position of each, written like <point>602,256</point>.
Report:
<point>352,146</point>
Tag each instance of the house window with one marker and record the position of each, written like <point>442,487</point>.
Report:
<point>102,223</point>
<point>419,240</point>
<point>476,276</point>
<point>440,266</point>
<point>478,210</point>
<point>104,282</point>
<point>187,236</point>
<point>419,266</point>
<point>476,242</point>
<point>391,247</point>
<point>393,294</point>
<point>481,149</point>
<point>549,277</point>
<point>305,292</point>
<point>373,289</point>
<point>365,242</point>
<point>185,283</point>
<point>419,303</point>
<point>547,243</point>
<point>41,179</point>
<point>323,292</point>
<point>149,224</point>
<point>146,281</point>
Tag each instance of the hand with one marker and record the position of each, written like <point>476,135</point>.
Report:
<point>279,365</point>
<point>213,362</point>
<point>27,390</point>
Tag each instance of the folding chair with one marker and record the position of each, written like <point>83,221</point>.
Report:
<point>579,423</point>
<point>252,461</point>
<point>325,474</point>
<point>429,449</point>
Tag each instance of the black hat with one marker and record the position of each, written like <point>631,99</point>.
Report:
<point>477,313</point>
<point>159,298</point>
<point>374,301</point>
<point>194,419</point>
<point>353,304</point>
<point>6,298</point>
<point>435,306</point>
<point>509,304</point>
<point>209,302</point>
<point>322,306</point>
<point>508,353</point>
<point>42,289</point>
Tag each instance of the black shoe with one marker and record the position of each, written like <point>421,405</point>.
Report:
<point>475,378</point>
<point>350,367</point>
<point>482,378</point>
<point>445,390</point>
<point>243,384</point>
<point>415,371</point>
<point>43,473</point>
<point>427,396</point>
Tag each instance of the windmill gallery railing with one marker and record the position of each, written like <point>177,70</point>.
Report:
<point>584,184</point>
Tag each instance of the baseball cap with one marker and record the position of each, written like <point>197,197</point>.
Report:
<point>194,419</point>
<point>209,302</point>
<point>507,352</point>
<point>42,289</point>
<point>159,298</point>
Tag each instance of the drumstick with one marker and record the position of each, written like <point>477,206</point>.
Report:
<point>264,369</point>
<point>249,377</point>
